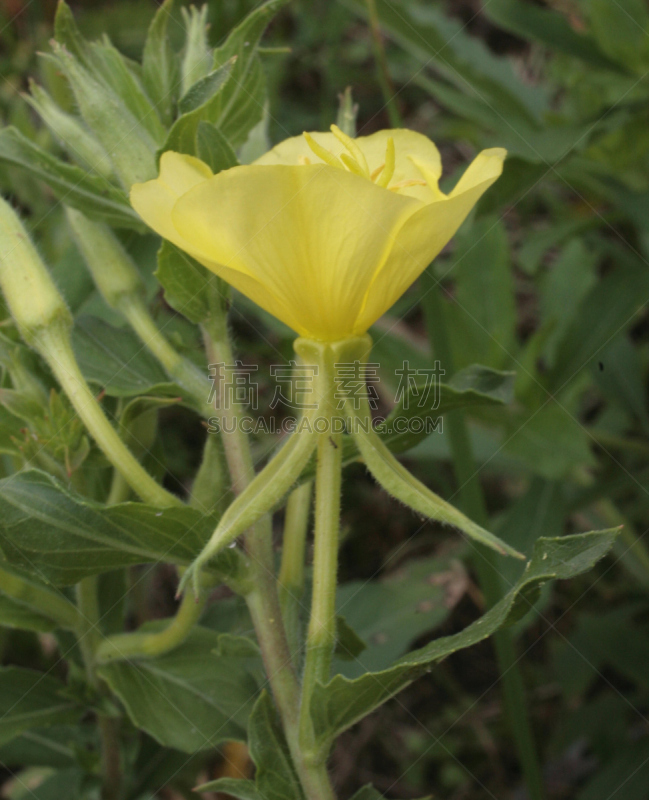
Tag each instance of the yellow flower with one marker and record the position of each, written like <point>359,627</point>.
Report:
<point>324,231</point>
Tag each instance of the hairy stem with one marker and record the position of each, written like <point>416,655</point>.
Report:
<point>53,343</point>
<point>263,600</point>
<point>123,646</point>
<point>89,636</point>
<point>321,636</point>
<point>187,375</point>
<point>291,573</point>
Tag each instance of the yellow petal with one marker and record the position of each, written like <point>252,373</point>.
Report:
<point>307,239</point>
<point>425,233</point>
<point>486,166</point>
<point>155,199</point>
<point>406,143</point>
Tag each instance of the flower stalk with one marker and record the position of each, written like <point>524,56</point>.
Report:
<point>262,599</point>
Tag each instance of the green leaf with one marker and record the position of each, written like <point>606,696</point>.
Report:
<point>188,699</point>
<point>63,538</point>
<point>367,793</point>
<point>138,422</point>
<point>423,403</point>
<point>621,378</point>
<point>550,441</point>
<point>234,787</point>
<point>115,360</point>
<point>189,287</point>
<point>17,615</point>
<point>182,137</point>
<point>240,106</point>
<point>275,778</point>
<point>389,614</point>
<point>430,35</point>
<point>349,644</point>
<point>621,31</point>
<point>563,286</point>
<point>205,89</point>
<point>213,148</point>
<point>609,308</point>
<point>56,747</point>
<point>551,28</point>
<point>159,64</point>
<point>91,193</point>
<point>30,699</point>
<point>484,318</point>
<point>341,703</point>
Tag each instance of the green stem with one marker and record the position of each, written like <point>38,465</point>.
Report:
<point>123,646</point>
<point>321,635</point>
<point>119,489</point>
<point>89,636</point>
<point>54,345</point>
<point>472,501</point>
<point>187,375</point>
<point>50,604</point>
<point>384,77</point>
<point>263,600</point>
<point>210,491</point>
<point>291,573</point>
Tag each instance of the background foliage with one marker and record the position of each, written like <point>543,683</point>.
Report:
<point>549,280</point>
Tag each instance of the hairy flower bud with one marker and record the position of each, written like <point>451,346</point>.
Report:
<point>114,273</point>
<point>33,299</point>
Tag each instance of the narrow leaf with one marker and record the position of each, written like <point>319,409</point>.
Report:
<point>63,538</point>
<point>275,778</point>
<point>342,702</point>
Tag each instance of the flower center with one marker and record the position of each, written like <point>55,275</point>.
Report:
<point>353,160</point>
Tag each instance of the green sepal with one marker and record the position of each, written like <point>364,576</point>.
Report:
<point>264,492</point>
<point>400,483</point>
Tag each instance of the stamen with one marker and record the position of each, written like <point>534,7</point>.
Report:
<point>403,184</point>
<point>388,172</point>
<point>375,174</point>
<point>353,148</point>
<point>352,165</point>
<point>322,152</point>
<point>431,175</point>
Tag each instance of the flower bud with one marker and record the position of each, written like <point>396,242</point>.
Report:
<point>33,299</point>
<point>197,54</point>
<point>128,143</point>
<point>114,273</point>
<point>69,130</point>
